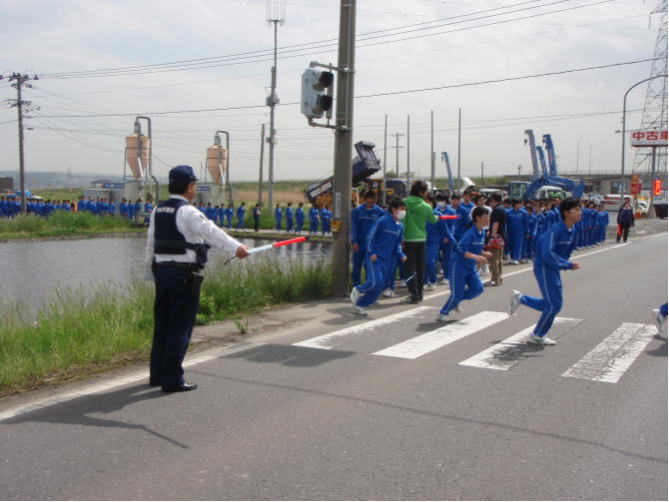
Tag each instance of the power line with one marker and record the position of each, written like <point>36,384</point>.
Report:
<point>309,49</point>
<point>389,93</point>
<point>265,52</point>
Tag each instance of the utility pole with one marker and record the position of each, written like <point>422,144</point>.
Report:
<point>262,152</point>
<point>481,173</point>
<point>343,148</point>
<point>20,80</point>
<point>432,148</point>
<point>589,158</point>
<point>385,156</point>
<point>397,152</point>
<point>276,14</point>
<point>408,150</point>
<point>459,138</point>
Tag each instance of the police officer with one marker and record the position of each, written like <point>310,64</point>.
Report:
<point>178,238</point>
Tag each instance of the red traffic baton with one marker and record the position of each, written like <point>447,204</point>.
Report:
<point>448,217</point>
<point>279,244</point>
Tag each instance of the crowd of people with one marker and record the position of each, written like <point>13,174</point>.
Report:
<point>137,211</point>
<point>289,219</point>
<point>461,238</point>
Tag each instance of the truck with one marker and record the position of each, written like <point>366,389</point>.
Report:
<point>365,164</point>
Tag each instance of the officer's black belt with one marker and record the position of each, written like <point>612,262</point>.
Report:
<point>176,264</point>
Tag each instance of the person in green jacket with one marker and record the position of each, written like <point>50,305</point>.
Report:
<point>419,213</point>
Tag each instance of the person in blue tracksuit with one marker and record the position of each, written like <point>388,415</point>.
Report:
<point>516,231</point>
<point>314,214</point>
<point>241,216</point>
<point>299,218</point>
<point>553,250</point>
<point>446,237</point>
<point>384,246</point>
<point>326,220</point>
<point>459,225</point>
<point>229,213</point>
<point>466,206</point>
<point>363,219</point>
<point>210,212</point>
<point>290,217</point>
<point>469,255</point>
<point>111,208</point>
<point>592,229</point>
<point>603,218</point>
<point>532,223</point>
<point>278,216</point>
<point>432,241</point>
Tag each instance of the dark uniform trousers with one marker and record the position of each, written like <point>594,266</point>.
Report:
<point>174,313</point>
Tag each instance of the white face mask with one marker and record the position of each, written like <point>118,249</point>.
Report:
<point>441,203</point>
<point>401,214</point>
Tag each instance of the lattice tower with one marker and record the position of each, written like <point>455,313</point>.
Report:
<point>655,106</point>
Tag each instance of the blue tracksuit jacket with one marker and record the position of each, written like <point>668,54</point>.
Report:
<point>299,219</point>
<point>362,221</point>
<point>464,278</point>
<point>516,231</point>
<point>384,241</point>
<point>552,253</point>
<point>278,216</point>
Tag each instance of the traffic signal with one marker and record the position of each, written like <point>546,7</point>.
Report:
<point>657,187</point>
<point>316,92</point>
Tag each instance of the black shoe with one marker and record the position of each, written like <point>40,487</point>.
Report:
<point>153,383</point>
<point>184,387</point>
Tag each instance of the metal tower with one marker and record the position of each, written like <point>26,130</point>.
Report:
<point>655,105</point>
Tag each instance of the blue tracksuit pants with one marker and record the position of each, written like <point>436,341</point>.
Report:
<point>465,285</point>
<point>529,248</point>
<point>431,257</point>
<point>377,273</point>
<point>289,224</point>
<point>516,244</point>
<point>358,261</point>
<point>550,286</point>
<point>446,251</point>
<point>313,226</point>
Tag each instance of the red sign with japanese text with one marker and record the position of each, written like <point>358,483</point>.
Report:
<point>648,138</point>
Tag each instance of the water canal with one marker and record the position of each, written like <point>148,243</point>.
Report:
<point>32,271</point>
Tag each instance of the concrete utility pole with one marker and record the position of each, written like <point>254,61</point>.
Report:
<point>459,138</point>
<point>481,173</point>
<point>408,150</point>
<point>432,148</point>
<point>385,156</point>
<point>589,158</point>
<point>262,152</point>
<point>397,152</point>
<point>343,148</point>
<point>276,14</point>
<point>20,80</point>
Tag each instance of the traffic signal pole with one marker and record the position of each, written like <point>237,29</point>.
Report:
<point>343,149</point>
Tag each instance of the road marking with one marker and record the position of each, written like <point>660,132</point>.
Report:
<point>609,360</point>
<point>97,388</point>
<point>339,337</point>
<point>438,338</point>
<point>511,351</point>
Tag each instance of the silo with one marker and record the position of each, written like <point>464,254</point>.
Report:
<point>132,154</point>
<point>144,156</point>
<point>217,163</point>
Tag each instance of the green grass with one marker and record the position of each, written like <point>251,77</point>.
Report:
<point>62,223</point>
<point>79,333</point>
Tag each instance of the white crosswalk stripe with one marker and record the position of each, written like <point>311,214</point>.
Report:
<point>340,337</point>
<point>511,351</point>
<point>438,338</point>
<point>609,360</point>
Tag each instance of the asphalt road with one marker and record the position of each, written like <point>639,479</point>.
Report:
<point>388,410</point>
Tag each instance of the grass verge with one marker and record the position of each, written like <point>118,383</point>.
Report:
<point>62,223</point>
<point>80,333</point>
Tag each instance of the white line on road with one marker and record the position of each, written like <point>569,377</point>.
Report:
<point>609,360</point>
<point>97,388</point>
<point>433,340</point>
<point>509,352</point>
<point>341,336</point>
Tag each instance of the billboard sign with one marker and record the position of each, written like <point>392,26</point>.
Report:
<point>648,138</point>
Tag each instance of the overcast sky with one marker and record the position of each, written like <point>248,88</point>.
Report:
<point>48,37</point>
